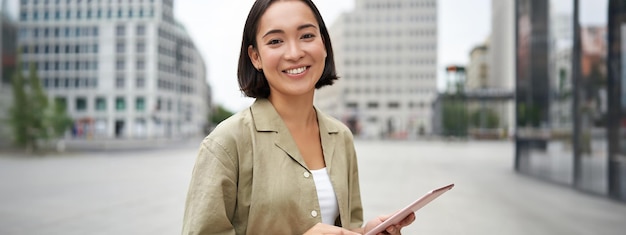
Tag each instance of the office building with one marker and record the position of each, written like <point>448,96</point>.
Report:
<point>386,55</point>
<point>570,95</point>
<point>124,69</point>
<point>8,41</point>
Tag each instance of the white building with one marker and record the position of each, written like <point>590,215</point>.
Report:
<point>386,56</point>
<point>502,53</point>
<point>478,68</point>
<point>124,69</point>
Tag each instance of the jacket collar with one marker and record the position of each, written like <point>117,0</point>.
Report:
<point>266,119</point>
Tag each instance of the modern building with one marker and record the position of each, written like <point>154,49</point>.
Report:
<point>386,55</point>
<point>570,93</point>
<point>502,57</point>
<point>124,69</point>
<point>8,41</point>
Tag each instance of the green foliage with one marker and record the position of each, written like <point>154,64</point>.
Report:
<point>484,118</point>
<point>219,114</point>
<point>527,115</point>
<point>32,117</point>
<point>20,117</point>
<point>57,119</point>
<point>455,120</point>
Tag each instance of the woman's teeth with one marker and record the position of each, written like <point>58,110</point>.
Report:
<point>296,71</point>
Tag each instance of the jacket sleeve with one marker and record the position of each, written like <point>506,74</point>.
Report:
<point>356,208</point>
<point>212,192</point>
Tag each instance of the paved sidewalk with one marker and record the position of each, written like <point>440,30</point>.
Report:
<point>143,191</point>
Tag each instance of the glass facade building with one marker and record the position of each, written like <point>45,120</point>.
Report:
<point>570,101</point>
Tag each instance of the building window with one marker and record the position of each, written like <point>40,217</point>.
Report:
<point>120,47</point>
<point>81,104</point>
<point>120,82</point>
<point>393,105</point>
<point>372,105</point>
<point>120,30</point>
<point>140,104</point>
<point>101,104</point>
<point>120,64</point>
<point>140,82</point>
<point>141,30</point>
<point>141,47</point>
<point>120,104</point>
<point>141,65</point>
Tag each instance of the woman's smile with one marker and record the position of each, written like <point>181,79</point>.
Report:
<point>296,71</point>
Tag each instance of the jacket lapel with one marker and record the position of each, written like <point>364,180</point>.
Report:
<point>328,133</point>
<point>266,119</point>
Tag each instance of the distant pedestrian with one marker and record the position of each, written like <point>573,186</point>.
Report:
<point>280,166</point>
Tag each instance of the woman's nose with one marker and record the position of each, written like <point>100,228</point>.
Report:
<point>294,51</point>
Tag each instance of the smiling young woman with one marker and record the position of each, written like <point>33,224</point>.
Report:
<point>281,166</point>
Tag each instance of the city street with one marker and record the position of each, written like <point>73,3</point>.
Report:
<point>143,191</point>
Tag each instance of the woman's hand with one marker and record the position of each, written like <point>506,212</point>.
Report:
<point>393,229</point>
<point>320,228</point>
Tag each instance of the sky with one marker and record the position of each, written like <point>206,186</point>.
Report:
<point>216,28</point>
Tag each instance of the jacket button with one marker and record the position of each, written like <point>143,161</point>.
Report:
<point>314,214</point>
<point>307,174</point>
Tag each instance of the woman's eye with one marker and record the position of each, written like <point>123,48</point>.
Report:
<point>273,42</point>
<point>308,35</point>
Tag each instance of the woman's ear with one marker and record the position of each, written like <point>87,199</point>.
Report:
<point>255,58</point>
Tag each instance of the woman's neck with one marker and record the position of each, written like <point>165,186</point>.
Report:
<point>296,112</point>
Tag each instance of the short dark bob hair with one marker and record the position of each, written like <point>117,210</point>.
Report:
<point>253,82</point>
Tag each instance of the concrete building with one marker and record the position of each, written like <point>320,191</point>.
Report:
<point>502,56</point>
<point>386,55</point>
<point>478,68</point>
<point>124,69</point>
<point>8,41</point>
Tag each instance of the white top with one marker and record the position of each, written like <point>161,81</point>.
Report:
<point>326,196</point>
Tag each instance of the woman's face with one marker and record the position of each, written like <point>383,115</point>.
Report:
<point>290,49</point>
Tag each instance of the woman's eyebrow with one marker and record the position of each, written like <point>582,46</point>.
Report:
<point>301,27</point>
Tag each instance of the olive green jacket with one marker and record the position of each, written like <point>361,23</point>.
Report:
<point>249,177</point>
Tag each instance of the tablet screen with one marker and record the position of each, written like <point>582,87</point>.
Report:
<point>416,205</point>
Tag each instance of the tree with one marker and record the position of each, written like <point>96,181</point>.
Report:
<point>220,114</point>
<point>484,118</point>
<point>454,115</point>
<point>33,118</point>
<point>20,117</point>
